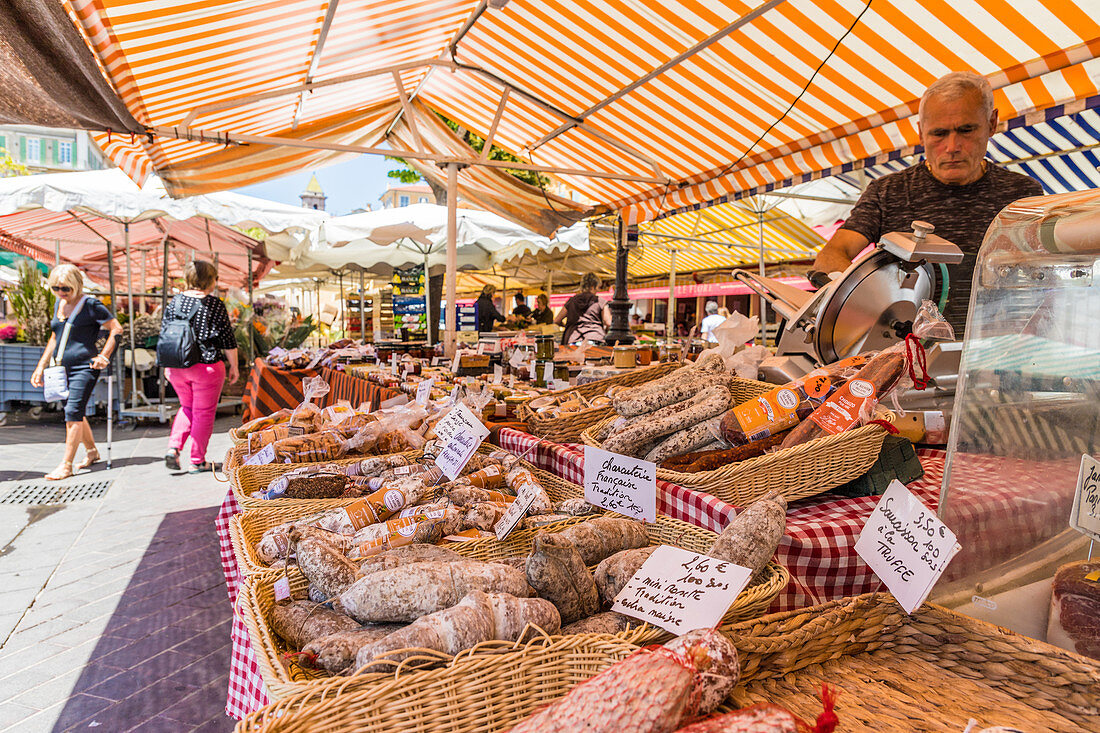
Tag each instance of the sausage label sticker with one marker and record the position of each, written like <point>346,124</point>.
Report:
<point>1085,515</point>
<point>620,483</point>
<point>907,546</point>
<point>842,410</point>
<point>681,591</point>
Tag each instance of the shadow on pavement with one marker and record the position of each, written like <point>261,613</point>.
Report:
<point>162,662</point>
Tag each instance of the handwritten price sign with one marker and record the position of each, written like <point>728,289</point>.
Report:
<point>620,483</point>
<point>460,432</point>
<point>1085,515</point>
<point>681,591</point>
<point>907,546</point>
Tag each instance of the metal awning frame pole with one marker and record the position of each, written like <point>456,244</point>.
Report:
<point>670,318</point>
<point>130,311</point>
<point>115,369</point>
<point>763,303</point>
<point>428,298</point>
<point>363,308</point>
<point>163,307</point>
<point>252,307</point>
<point>451,284</point>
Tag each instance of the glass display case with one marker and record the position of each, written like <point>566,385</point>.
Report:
<point>1027,408</point>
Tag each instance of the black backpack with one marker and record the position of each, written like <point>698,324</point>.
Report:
<point>178,347</point>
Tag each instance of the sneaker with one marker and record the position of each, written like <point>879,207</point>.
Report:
<point>205,467</point>
<point>172,460</point>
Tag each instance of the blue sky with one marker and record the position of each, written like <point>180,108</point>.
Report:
<point>349,185</point>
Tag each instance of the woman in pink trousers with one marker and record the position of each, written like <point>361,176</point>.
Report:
<point>199,386</point>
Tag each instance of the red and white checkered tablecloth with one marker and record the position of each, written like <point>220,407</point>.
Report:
<point>247,692</point>
<point>991,518</point>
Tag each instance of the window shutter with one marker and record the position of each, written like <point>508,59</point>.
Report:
<point>55,146</point>
<point>22,149</point>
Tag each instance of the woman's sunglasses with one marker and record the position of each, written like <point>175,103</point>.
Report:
<point>61,288</point>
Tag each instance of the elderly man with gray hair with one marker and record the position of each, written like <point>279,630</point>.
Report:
<point>954,188</point>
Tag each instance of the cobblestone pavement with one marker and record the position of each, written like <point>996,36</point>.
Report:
<point>114,615</point>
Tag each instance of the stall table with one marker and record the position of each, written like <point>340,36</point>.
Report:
<point>818,549</point>
<point>271,389</point>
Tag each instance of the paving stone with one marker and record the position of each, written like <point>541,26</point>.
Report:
<point>55,689</point>
<point>78,708</point>
<point>12,713</point>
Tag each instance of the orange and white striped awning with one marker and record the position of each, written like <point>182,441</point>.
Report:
<point>639,106</point>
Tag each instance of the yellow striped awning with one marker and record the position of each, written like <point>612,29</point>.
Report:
<point>642,107</point>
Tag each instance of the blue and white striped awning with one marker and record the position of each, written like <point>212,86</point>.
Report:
<point>1060,149</point>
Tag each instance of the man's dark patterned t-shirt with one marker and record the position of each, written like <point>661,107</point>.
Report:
<point>961,214</point>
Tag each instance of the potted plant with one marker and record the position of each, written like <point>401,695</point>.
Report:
<point>32,306</point>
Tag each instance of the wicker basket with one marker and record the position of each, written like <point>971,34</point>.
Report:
<point>567,429</point>
<point>248,479</point>
<point>490,688</point>
<point>282,675</point>
<point>931,671</point>
<point>246,528</point>
<point>804,470</point>
<point>236,436</point>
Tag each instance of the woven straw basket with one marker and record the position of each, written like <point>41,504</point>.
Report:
<point>248,479</point>
<point>804,470</point>
<point>932,671</point>
<point>247,528</point>
<point>283,675</point>
<point>491,688</point>
<point>236,436</point>
<point>567,429</point>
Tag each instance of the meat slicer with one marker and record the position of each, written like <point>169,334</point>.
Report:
<point>871,305</point>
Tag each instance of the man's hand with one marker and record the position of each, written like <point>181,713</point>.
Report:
<point>838,252</point>
<point>234,373</point>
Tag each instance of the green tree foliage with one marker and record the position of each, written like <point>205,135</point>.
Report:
<point>408,174</point>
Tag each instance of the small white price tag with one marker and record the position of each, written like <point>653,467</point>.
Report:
<point>560,384</point>
<point>516,511</point>
<point>454,394</point>
<point>531,367</point>
<point>435,361</point>
<point>457,451</point>
<point>498,373</point>
<point>681,591</point>
<point>459,418</point>
<point>262,456</point>
<point>517,358</point>
<point>282,589</point>
<point>424,391</point>
<point>548,372</point>
<point>397,401</point>
<point>405,374</point>
<point>1085,514</point>
<point>481,347</point>
<point>906,545</point>
<point>620,483</point>
<point>316,360</point>
<point>393,368</point>
<point>454,363</point>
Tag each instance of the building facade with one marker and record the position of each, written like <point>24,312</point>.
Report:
<point>51,149</point>
<point>407,194</point>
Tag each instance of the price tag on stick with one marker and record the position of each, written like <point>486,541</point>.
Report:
<point>424,391</point>
<point>681,591</point>
<point>459,433</point>
<point>516,511</point>
<point>548,372</point>
<point>907,546</point>
<point>498,373</point>
<point>620,483</point>
<point>1085,515</point>
<point>262,456</point>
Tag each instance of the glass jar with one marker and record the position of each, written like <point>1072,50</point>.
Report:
<point>544,347</point>
<point>511,403</point>
<point>561,371</point>
<point>673,352</point>
<point>644,356</point>
<point>623,357</point>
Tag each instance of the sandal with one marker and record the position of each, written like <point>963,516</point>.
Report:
<point>172,459</point>
<point>205,467</point>
<point>63,471</point>
<point>90,457</point>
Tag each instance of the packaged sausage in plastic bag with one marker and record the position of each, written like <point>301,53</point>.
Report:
<point>899,367</point>
<point>786,405</point>
<point>279,416</point>
<point>307,416</point>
